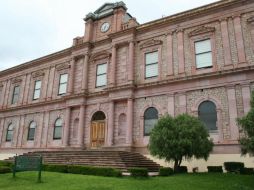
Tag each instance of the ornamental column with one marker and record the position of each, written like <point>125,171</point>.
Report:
<point>131,62</point>
<point>110,123</point>
<point>171,105</point>
<point>246,98</point>
<point>239,39</point>
<point>170,54</point>
<point>234,131</point>
<point>225,41</point>
<point>81,126</point>
<point>129,121</point>
<point>71,77</point>
<point>67,127</point>
<point>180,51</point>
<point>113,66</point>
<point>84,85</point>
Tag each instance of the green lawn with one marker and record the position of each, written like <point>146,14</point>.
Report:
<point>55,181</point>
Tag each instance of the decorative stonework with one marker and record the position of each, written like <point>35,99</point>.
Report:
<point>202,30</point>
<point>16,80</point>
<point>149,43</point>
<point>38,74</point>
<point>251,20</point>
<point>100,55</point>
<point>62,66</point>
<point>1,84</point>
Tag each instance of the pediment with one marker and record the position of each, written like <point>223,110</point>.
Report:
<point>250,20</point>
<point>16,80</point>
<point>38,74</point>
<point>100,55</point>
<point>62,66</point>
<point>105,7</point>
<point>149,43</point>
<point>202,30</point>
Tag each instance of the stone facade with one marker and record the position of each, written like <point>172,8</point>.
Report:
<point>179,87</point>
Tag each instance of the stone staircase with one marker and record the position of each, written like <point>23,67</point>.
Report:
<point>101,158</point>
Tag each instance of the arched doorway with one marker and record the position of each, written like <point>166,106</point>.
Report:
<point>98,129</point>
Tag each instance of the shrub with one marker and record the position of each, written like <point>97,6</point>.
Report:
<point>89,170</point>
<point>182,169</point>
<point>233,166</point>
<point>247,171</point>
<point>5,169</point>
<point>217,169</point>
<point>139,172</point>
<point>166,171</point>
<point>85,170</point>
<point>55,168</point>
<point>5,163</point>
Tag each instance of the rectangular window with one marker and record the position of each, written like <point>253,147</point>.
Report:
<point>63,84</point>
<point>203,53</point>
<point>151,64</point>
<point>37,90</point>
<point>15,95</point>
<point>101,75</point>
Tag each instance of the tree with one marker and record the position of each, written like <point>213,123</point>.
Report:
<point>247,124</point>
<point>182,137</point>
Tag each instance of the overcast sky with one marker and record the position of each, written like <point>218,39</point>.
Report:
<point>33,28</point>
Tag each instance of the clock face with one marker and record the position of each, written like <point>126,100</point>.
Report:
<point>105,26</point>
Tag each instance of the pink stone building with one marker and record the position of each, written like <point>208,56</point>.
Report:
<point>111,86</point>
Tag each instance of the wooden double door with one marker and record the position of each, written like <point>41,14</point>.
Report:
<point>97,133</point>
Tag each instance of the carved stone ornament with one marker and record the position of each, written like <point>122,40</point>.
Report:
<point>201,30</point>
<point>251,21</point>
<point>62,66</point>
<point>38,74</point>
<point>100,55</point>
<point>16,80</point>
<point>149,43</point>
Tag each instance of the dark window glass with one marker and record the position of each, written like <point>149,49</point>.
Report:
<point>208,115</point>
<point>9,133</point>
<point>99,115</point>
<point>58,129</point>
<point>150,119</point>
<point>31,131</point>
<point>15,95</point>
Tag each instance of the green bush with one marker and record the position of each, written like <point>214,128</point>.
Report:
<point>247,171</point>
<point>5,169</point>
<point>233,166</point>
<point>85,170</point>
<point>55,168</point>
<point>182,169</point>
<point>89,170</point>
<point>217,169</point>
<point>139,172</point>
<point>5,163</point>
<point>166,171</point>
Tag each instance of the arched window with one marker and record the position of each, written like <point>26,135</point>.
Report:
<point>208,115</point>
<point>58,129</point>
<point>150,119</point>
<point>31,131</point>
<point>99,115</point>
<point>9,133</point>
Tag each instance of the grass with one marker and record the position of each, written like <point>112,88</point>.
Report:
<point>57,181</point>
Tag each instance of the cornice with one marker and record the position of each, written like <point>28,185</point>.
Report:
<point>186,15</point>
<point>36,62</point>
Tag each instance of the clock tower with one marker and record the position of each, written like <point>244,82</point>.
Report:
<point>109,18</point>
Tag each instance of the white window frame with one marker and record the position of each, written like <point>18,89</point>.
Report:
<point>151,64</point>
<point>62,84</point>
<point>103,74</point>
<point>36,95</point>
<point>204,52</point>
